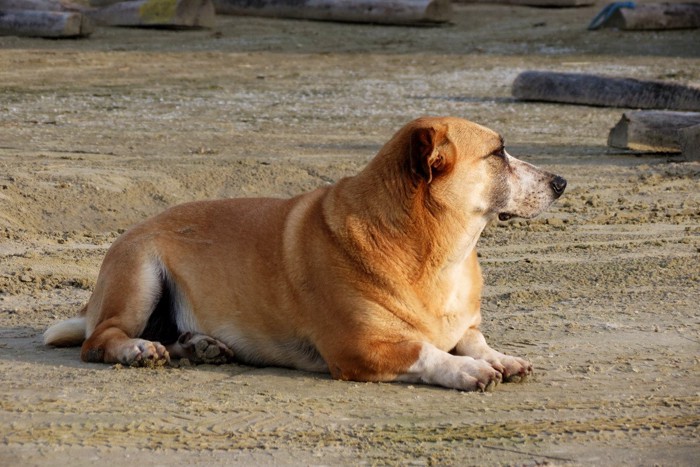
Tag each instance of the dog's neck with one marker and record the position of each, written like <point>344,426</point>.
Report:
<point>380,214</point>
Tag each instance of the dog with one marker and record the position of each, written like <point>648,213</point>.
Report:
<point>373,278</point>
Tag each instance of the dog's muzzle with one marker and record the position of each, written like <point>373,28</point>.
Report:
<point>538,202</point>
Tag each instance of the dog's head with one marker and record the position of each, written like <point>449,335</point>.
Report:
<point>460,165</point>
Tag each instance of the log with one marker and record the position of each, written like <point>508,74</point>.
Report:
<point>652,130</point>
<point>36,5</point>
<point>175,14</point>
<point>655,16</point>
<point>690,142</point>
<point>47,24</point>
<point>103,3</point>
<point>537,3</point>
<point>145,13</point>
<point>588,89</point>
<point>399,12</point>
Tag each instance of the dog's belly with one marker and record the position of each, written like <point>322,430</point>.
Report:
<point>262,329</point>
<point>232,280</point>
<point>259,350</point>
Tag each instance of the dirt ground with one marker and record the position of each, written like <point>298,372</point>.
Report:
<point>600,293</point>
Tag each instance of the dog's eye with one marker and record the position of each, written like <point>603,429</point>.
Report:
<point>499,153</point>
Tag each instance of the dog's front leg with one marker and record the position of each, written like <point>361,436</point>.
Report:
<point>473,344</point>
<point>435,366</point>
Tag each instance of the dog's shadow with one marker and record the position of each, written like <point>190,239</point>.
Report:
<point>24,344</point>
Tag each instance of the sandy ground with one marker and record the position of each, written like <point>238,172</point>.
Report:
<point>601,292</point>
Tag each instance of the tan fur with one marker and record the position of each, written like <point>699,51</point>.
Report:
<point>374,278</point>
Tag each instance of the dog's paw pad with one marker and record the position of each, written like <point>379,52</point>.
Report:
<point>514,379</point>
<point>205,349</point>
<point>490,386</point>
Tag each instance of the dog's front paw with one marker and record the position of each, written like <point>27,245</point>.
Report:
<point>514,369</point>
<point>435,366</point>
<point>473,375</point>
<point>140,352</point>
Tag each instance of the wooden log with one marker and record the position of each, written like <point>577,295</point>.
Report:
<point>537,3</point>
<point>103,3</point>
<point>36,5</point>
<point>399,12</point>
<point>48,24</point>
<point>588,89</point>
<point>655,16</point>
<point>690,142</point>
<point>176,14</point>
<point>652,130</point>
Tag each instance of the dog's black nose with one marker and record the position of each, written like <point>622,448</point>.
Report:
<point>558,185</point>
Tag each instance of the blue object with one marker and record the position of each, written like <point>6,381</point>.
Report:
<point>607,12</point>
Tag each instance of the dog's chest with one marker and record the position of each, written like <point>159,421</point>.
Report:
<point>459,310</point>
<point>453,324</point>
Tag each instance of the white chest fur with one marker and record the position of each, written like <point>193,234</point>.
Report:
<point>460,309</point>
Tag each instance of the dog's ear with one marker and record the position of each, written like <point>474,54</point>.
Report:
<point>425,155</point>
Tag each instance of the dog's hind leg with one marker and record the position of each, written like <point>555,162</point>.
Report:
<point>128,289</point>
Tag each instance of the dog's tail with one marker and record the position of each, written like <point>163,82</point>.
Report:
<point>68,333</point>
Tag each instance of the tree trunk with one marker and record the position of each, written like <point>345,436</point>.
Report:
<point>51,24</point>
<point>690,142</point>
<point>577,88</point>
<point>655,131</point>
<point>36,5</point>
<point>538,3</point>
<point>656,16</point>
<point>402,12</point>
<point>157,13</point>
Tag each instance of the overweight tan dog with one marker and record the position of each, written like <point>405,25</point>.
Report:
<point>374,278</point>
